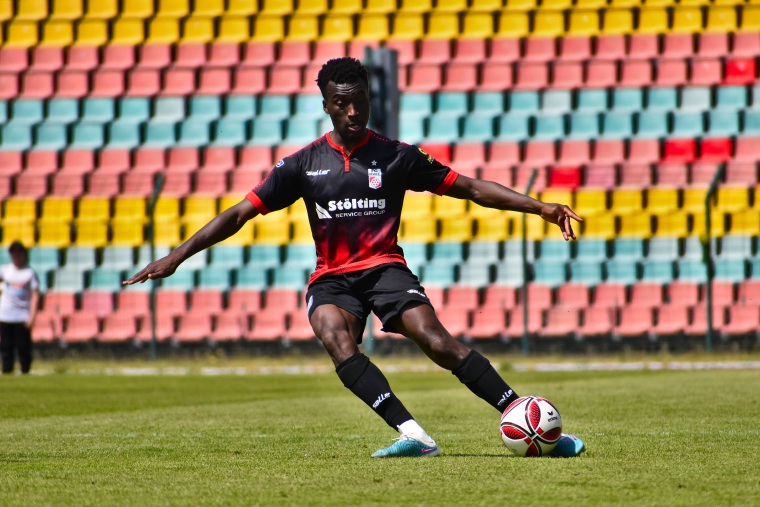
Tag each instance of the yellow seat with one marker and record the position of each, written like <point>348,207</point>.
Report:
<point>454,6</point>
<point>559,196</point>
<point>303,28</point>
<point>102,9</point>
<point>591,4</point>
<point>272,229</point>
<point>625,202</point>
<point>18,231</point>
<point>458,229</point>
<point>638,225</point>
<point>373,28</point>
<point>54,234</point>
<point>57,210</point>
<point>297,211</point>
<point>733,199</point>
<point>241,8</point>
<point>728,2</point>
<point>337,28</point>
<point>418,229</point>
<point>228,201</point>
<point>6,11</point>
<point>751,18</point>
<point>653,21</point>
<point>408,26</point>
<point>548,24</point>
<point>476,211</point>
<point>694,200</point>
<point>418,205</point>
<point>126,232</point>
<point>696,3</point>
<point>243,237</point>
<point>127,32</point>
<point>268,29</point>
<point>443,26</point>
<point>210,8</point>
<point>91,233</point>
<point>93,209</point>
<point>717,225</point>
<point>234,29</point>
<point>449,207</point>
<point>199,209</point>
<point>137,9</point>
<point>522,5</point>
<point>589,203</point>
<point>625,4</point>
<point>277,7</point>
<point>20,210</point>
<point>493,228</point>
<point>31,10</point>
<point>486,5</point>
<point>535,226</point>
<point>129,208</point>
<point>21,34</point>
<point>672,225</point>
<point>173,8</point>
<point>583,23</point>
<point>721,19</point>
<point>687,20</point>
<point>167,233</point>
<point>57,34</point>
<point>477,25</point>
<point>617,22</point>
<point>513,25</point>
<point>301,230</point>
<point>163,31</point>
<point>92,32</point>
<point>659,3</point>
<point>556,5</point>
<point>661,201</point>
<point>190,226</point>
<point>349,7</point>
<point>66,9</point>
<point>746,222</point>
<point>167,208</point>
<point>416,6</point>
<point>196,29</point>
<point>312,7</point>
<point>599,226</point>
<point>380,7</point>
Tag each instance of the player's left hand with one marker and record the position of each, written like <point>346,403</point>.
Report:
<point>560,215</point>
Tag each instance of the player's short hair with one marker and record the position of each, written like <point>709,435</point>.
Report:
<point>17,246</point>
<point>344,70</point>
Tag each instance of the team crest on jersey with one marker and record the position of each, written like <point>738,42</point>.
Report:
<point>375,178</point>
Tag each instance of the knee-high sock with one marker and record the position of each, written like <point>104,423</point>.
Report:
<point>481,378</point>
<point>367,382</point>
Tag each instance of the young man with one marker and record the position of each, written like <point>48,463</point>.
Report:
<point>353,182</point>
<point>18,308</point>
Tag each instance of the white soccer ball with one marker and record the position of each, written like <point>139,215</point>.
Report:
<point>531,426</point>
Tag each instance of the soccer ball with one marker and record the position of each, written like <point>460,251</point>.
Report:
<point>531,426</point>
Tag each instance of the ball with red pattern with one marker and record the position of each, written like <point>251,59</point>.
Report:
<point>531,426</point>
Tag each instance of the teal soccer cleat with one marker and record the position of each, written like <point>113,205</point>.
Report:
<point>407,447</point>
<point>569,446</point>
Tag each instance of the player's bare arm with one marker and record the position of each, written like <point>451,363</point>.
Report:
<point>492,195</point>
<point>220,228</point>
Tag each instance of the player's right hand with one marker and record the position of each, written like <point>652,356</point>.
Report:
<point>157,269</point>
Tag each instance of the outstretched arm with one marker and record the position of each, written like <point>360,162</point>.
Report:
<point>220,228</point>
<point>492,195</point>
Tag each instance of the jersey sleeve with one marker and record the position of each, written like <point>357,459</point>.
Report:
<point>426,173</point>
<point>280,188</point>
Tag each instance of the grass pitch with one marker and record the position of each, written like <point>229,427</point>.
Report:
<point>654,438</point>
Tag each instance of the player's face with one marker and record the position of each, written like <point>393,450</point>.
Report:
<point>348,107</point>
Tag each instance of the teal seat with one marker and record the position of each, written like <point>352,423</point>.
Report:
<point>754,268</point>
<point>97,110</point>
<point>621,271</point>
<point>688,124</point>
<point>160,134</point>
<point>230,132</point>
<point>586,272</point>
<point>411,128</point>
<point>484,252</point>
<point>451,103</point>
<point>266,256</point>
<point>49,136</point>
<point>663,249</point>
<point>169,109</point>
<point>227,256</point>
<point>193,133</point>
<point>309,106</point>
<point>416,104</point>
<point>266,132</point>
<point>592,101</point>
<point>692,270</point>
<point>3,111</point>
<point>5,256</point>
<point>62,111</point>
<point>652,124</point>
<point>627,99</point>
<point>290,277</point>
<point>731,270</point>
<point>513,250</point>
<point>197,261</point>
<point>447,252</point>
<point>662,99</point>
<point>478,128</point>
<point>617,125</point>
<point>443,129</point>
<point>123,134</point>
<point>631,249</point>
<point>555,250</point>
<point>325,126</point>
<point>143,254</point>
<point>251,278</point>
<point>27,112</point>
<point>584,126</point>
<point>15,137</point>
<point>182,279</point>
<point>41,259</point>
<point>692,248</point>
<point>105,280</point>
<point>591,249</point>
<point>68,280</point>
<point>731,98</point>
<point>736,247</point>
<point>87,136</point>
<point>695,98</point>
<point>134,109</point>
<point>509,273</point>
<point>751,123</point>
<point>241,107</point>
<point>81,257</point>
<point>755,97</point>
<point>438,274</point>
<point>723,123</point>
<point>549,272</point>
<point>274,106</point>
<point>488,103</point>
<point>117,258</point>
<point>513,127</point>
<point>415,253</point>
<point>299,130</point>
<point>205,108</point>
<point>524,102</point>
<point>475,275</point>
<point>214,277</point>
<point>556,101</point>
<point>657,271</point>
<point>300,256</point>
<point>548,128</point>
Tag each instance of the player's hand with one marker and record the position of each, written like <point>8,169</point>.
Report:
<point>166,266</point>
<point>560,215</point>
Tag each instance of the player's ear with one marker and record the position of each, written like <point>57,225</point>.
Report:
<point>324,106</point>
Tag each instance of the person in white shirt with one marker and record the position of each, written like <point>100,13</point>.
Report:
<point>18,308</point>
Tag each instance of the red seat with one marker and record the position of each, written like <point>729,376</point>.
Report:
<point>222,54</point>
<point>460,77</point>
<point>740,71</point>
<point>8,86</point>
<point>98,302</point>
<point>67,185</point>
<point>107,83</point>
<point>609,295</point>
<point>749,293</point>
<point>712,44</point>
<point>440,152</point>
<point>259,54</point>
<point>742,320</point>
<point>540,153</point>
<point>73,84</point>
<point>500,175</point>
<point>214,82</point>
<point>435,296</point>
<point>532,76</point>
<point>13,59</point>
<point>571,295</point>
<point>565,177</point>
<point>677,45</point>
<point>231,325</point>
<point>522,174</point>
<point>635,73</point>
<point>143,82</point>
<point>671,72</point>
<point>469,50</point>
<point>601,74</point>
<point>135,303</point>
<point>178,81</point>
<point>610,47</point>
<point>218,158</point>
<point>149,160</point>
<point>10,163</point>
<point>185,159</point>
<point>282,151</point>
<point>255,158</point>
<point>745,44</point>
<point>47,327</point>
<point>249,81</point>
<point>574,153</point>
<point>634,321</point>
<point>41,162</point>
<point>102,184</point>
<point>741,173</point>
<point>46,59</point>
<point>504,50</point>
<point>176,184</point>
<point>267,327</point>
<point>488,323</point>
<point>643,151</point>
<point>31,186</point>
<point>561,322</point>
<point>679,150</point>
<point>325,50</point>
<point>673,175</point>
<point>601,176</point>
<point>206,301</point>
<point>242,182</point>
<point>467,157</point>
<point>59,303</point>
<point>113,160</point>
<point>154,56</point>
<point>715,150</point>
<point>698,324</point>
<point>299,328</point>
<point>539,49</point>
<point>310,74</point>
<point>281,300</point>
<point>567,75</point>
<point>702,174</point>
<point>635,175</point>
<point>407,51</point>
<point>576,49</point>
<point>81,326</point>
<point>190,56</point>
<point>515,327</point>
<point>165,325</point>
<point>455,320</point>
<point>37,85</point>
<point>82,57</point>
<point>706,71</point>
<point>608,151</point>
<point>78,161</point>
<point>462,297</point>
<point>193,327</point>
<point>683,293</point>
<point>539,296</point>
<point>643,46</point>
<point>424,78</point>
<point>212,184</point>
<point>597,321</point>
<point>747,149</point>
<point>646,295</point>
<point>496,77</point>
<point>723,293</point>
<point>503,154</point>
<point>247,301</point>
<point>118,57</point>
<point>284,80</point>
<point>672,319</point>
<point>118,327</point>
<point>294,53</point>
<point>498,297</point>
<point>173,302</point>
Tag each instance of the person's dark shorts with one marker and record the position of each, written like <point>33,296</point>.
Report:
<point>384,290</point>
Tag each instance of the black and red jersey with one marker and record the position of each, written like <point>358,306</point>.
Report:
<point>353,199</point>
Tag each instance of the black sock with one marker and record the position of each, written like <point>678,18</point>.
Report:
<point>481,378</point>
<point>366,381</point>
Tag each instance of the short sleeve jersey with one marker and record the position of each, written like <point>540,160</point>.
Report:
<point>353,199</point>
<point>17,285</point>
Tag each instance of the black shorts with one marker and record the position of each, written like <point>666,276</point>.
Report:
<point>385,290</point>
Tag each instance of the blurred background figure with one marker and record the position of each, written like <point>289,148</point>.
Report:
<point>18,308</point>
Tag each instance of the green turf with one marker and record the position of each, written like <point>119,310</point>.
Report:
<point>654,438</point>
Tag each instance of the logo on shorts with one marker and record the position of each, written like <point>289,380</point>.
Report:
<point>415,291</point>
<point>309,304</point>
<point>375,178</point>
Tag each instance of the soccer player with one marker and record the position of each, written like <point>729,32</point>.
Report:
<point>353,182</point>
<point>18,308</point>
